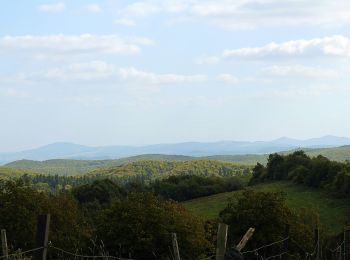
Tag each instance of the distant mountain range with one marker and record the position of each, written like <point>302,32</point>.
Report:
<point>81,152</point>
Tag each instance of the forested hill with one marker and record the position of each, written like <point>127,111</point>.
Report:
<point>73,167</point>
<point>139,175</point>
<point>156,169</point>
<point>6,172</point>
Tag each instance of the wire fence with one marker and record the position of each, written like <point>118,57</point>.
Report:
<point>21,253</point>
<point>52,247</point>
<point>106,257</point>
<point>277,249</point>
<point>254,251</point>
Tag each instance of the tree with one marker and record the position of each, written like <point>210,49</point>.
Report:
<point>20,207</point>
<point>268,213</point>
<point>141,225</point>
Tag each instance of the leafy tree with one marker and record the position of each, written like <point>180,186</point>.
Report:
<point>20,207</point>
<point>141,225</point>
<point>268,213</point>
<point>101,191</point>
<point>186,187</point>
<point>317,172</point>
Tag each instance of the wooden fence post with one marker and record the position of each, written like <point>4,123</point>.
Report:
<point>4,244</point>
<point>286,241</point>
<point>317,243</point>
<point>245,239</point>
<point>344,245</point>
<point>175,246</point>
<point>221,241</point>
<point>42,236</point>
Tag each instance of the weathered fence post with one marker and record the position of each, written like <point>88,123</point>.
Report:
<point>317,243</point>
<point>4,244</point>
<point>245,239</point>
<point>345,247</point>
<point>286,241</point>
<point>175,246</point>
<point>221,241</point>
<point>42,236</point>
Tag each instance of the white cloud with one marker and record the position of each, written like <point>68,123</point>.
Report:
<point>74,44</point>
<point>228,78</point>
<point>52,8</point>
<point>140,75</point>
<point>335,46</point>
<point>93,8</point>
<point>141,9</point>
<point>208,60</point>
<point>300,71</point>
<point>103,71</point>
<point>94,70</point>
<point>243,14</point>
<point>297,92</point>
<point>125,22</point>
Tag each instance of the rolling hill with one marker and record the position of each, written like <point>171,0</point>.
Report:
<point>156,169</point>
<point>72,167</point>
<point>197,149</point>
<point>333,212</point>
<point>6,172</point>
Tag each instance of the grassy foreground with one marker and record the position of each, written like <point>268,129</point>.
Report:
<point>333,212</point>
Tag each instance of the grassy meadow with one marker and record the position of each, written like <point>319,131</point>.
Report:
<point>333,212</point>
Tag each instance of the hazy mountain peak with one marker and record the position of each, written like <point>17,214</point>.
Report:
<point>66,150</point>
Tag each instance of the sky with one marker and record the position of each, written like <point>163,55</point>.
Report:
<point>117,72</point>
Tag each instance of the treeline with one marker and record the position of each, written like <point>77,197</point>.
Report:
<point>186,187</point>
<point>76,167</point>
<point>135,225</point>
<point>143,173</point>
<point>102,218</point>
<point>157,169</point>
<point>317,172</point>
<point>8,173</point>
<point>177,188</point>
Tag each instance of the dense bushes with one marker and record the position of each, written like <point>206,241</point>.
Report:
<point>141,224</point>
<point>141,173</point>
<point>99,192</point>
<point>186,187</point>
<point>268,213</point>
<point>20,207</point>
<point>107,220</point>
<point>317,172</point>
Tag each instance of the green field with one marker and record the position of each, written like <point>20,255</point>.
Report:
<point>333,212</point>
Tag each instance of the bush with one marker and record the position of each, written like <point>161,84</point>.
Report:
<point>20,207</point>
<point>141,225</point>
<point>268,213</point>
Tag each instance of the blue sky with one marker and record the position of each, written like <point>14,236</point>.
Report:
<point>161,71</point>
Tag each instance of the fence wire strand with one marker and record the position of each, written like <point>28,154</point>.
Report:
<point>22,253</point>
<point>264,246</point>
<point>88,256</point>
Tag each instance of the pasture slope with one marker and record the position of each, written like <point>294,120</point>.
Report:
<point>333,212</point>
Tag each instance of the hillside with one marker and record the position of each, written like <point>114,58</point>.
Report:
<point>198,149</point>
<point>156,169</point>
<point>72,167</point>
<point>6,173</point>
<point>333,212</point>
<point>341,153</point>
